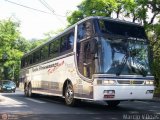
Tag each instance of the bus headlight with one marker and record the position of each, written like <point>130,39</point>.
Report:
<point>149,82</point>
<point>106,82</point>
<point>109,82</point>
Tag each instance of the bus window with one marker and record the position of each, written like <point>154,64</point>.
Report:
<point>44,52</point>
<point>86,59</point>
<point>71,40</point>
<point>26,61</point>
<point>30,59</point>
<point>36,57</point>
<point>54,48</point>
<point>85,30</point>
<point>22,63</point>
<point>67,42</point>
<point>84,55</point>
<point>63,46</point>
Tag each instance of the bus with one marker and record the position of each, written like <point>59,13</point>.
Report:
<point>97,59</point>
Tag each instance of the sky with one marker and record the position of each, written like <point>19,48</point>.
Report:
<point>34,24</point>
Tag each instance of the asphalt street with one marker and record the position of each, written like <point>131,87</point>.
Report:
<point>17,106</point>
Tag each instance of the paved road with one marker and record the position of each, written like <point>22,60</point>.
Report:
<point>16,106</point>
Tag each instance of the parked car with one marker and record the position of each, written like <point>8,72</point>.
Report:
<point>7,86</point>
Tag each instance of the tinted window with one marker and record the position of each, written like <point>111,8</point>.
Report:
<point>85,58</point>
<point>22,62</point>
<point>44,52</point>
<point>85,30</point>
<point>67,42</point>
<point>118,28</point>
<point>36,57</point>
<point>50,50</point>
<point>54,48</point>
<point>26,61</point>
<point>30,59</point>
<point>71,40</point>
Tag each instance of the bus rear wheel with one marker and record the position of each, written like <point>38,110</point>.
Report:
<point>26,90</point>
<point>113,103</point>
<point>69,95</point>
<point>29,90</point>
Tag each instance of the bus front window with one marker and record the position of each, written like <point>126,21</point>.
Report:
<point>123,57</point>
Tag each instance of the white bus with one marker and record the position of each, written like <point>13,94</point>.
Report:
<point>98,58</point>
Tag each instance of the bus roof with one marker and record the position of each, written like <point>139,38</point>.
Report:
<point>79,22</point>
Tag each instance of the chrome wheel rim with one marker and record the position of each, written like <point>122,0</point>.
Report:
<point>69,95</point>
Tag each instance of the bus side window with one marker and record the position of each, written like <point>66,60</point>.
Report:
<point>30,59</point>
<point>54,48</point>
<point>67,42</point>
<point>81,31</point>
<point>88,61</point>
<point>44,52</point>
<point>85,30</point>
<point>26,61</point>
<point>71,40</point>
<point>63,46</point>
<point>36,56</point>
<point>22,63</point>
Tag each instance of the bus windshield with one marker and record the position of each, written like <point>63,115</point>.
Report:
<point>123,56</point>
<point>123,48</point>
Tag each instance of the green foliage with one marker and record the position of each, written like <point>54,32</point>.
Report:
<point>9,54</point>
<point>22,44</point>
<point>137,10</point>
<point>12,48</point>
<point>92,8</point>
<point>154,36</point>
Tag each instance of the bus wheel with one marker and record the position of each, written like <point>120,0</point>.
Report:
<point>26,90</point>
<point>29,90</point>
<point>69,95</point>
<point>113,103</point>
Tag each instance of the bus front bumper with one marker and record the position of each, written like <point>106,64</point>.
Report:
<point>123,92</point>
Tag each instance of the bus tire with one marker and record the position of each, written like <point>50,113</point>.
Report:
<point>26,90</point>
<point>113,103</point>
<point>29,90</point>
<point>69,95</point>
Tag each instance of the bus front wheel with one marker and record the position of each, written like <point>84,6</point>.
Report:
<point>113,103</point>
<point>69,95</point>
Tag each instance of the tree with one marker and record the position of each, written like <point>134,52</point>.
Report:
<point>141,11</point>
<point>9,54</point>
<point>154,36</point>
<point>92,8</point>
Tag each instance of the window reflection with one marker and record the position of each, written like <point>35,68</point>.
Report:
<point>123,56</point>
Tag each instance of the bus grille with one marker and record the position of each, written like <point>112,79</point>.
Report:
<point>130,82</point>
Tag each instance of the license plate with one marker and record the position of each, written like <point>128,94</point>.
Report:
<point>8,88</point>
